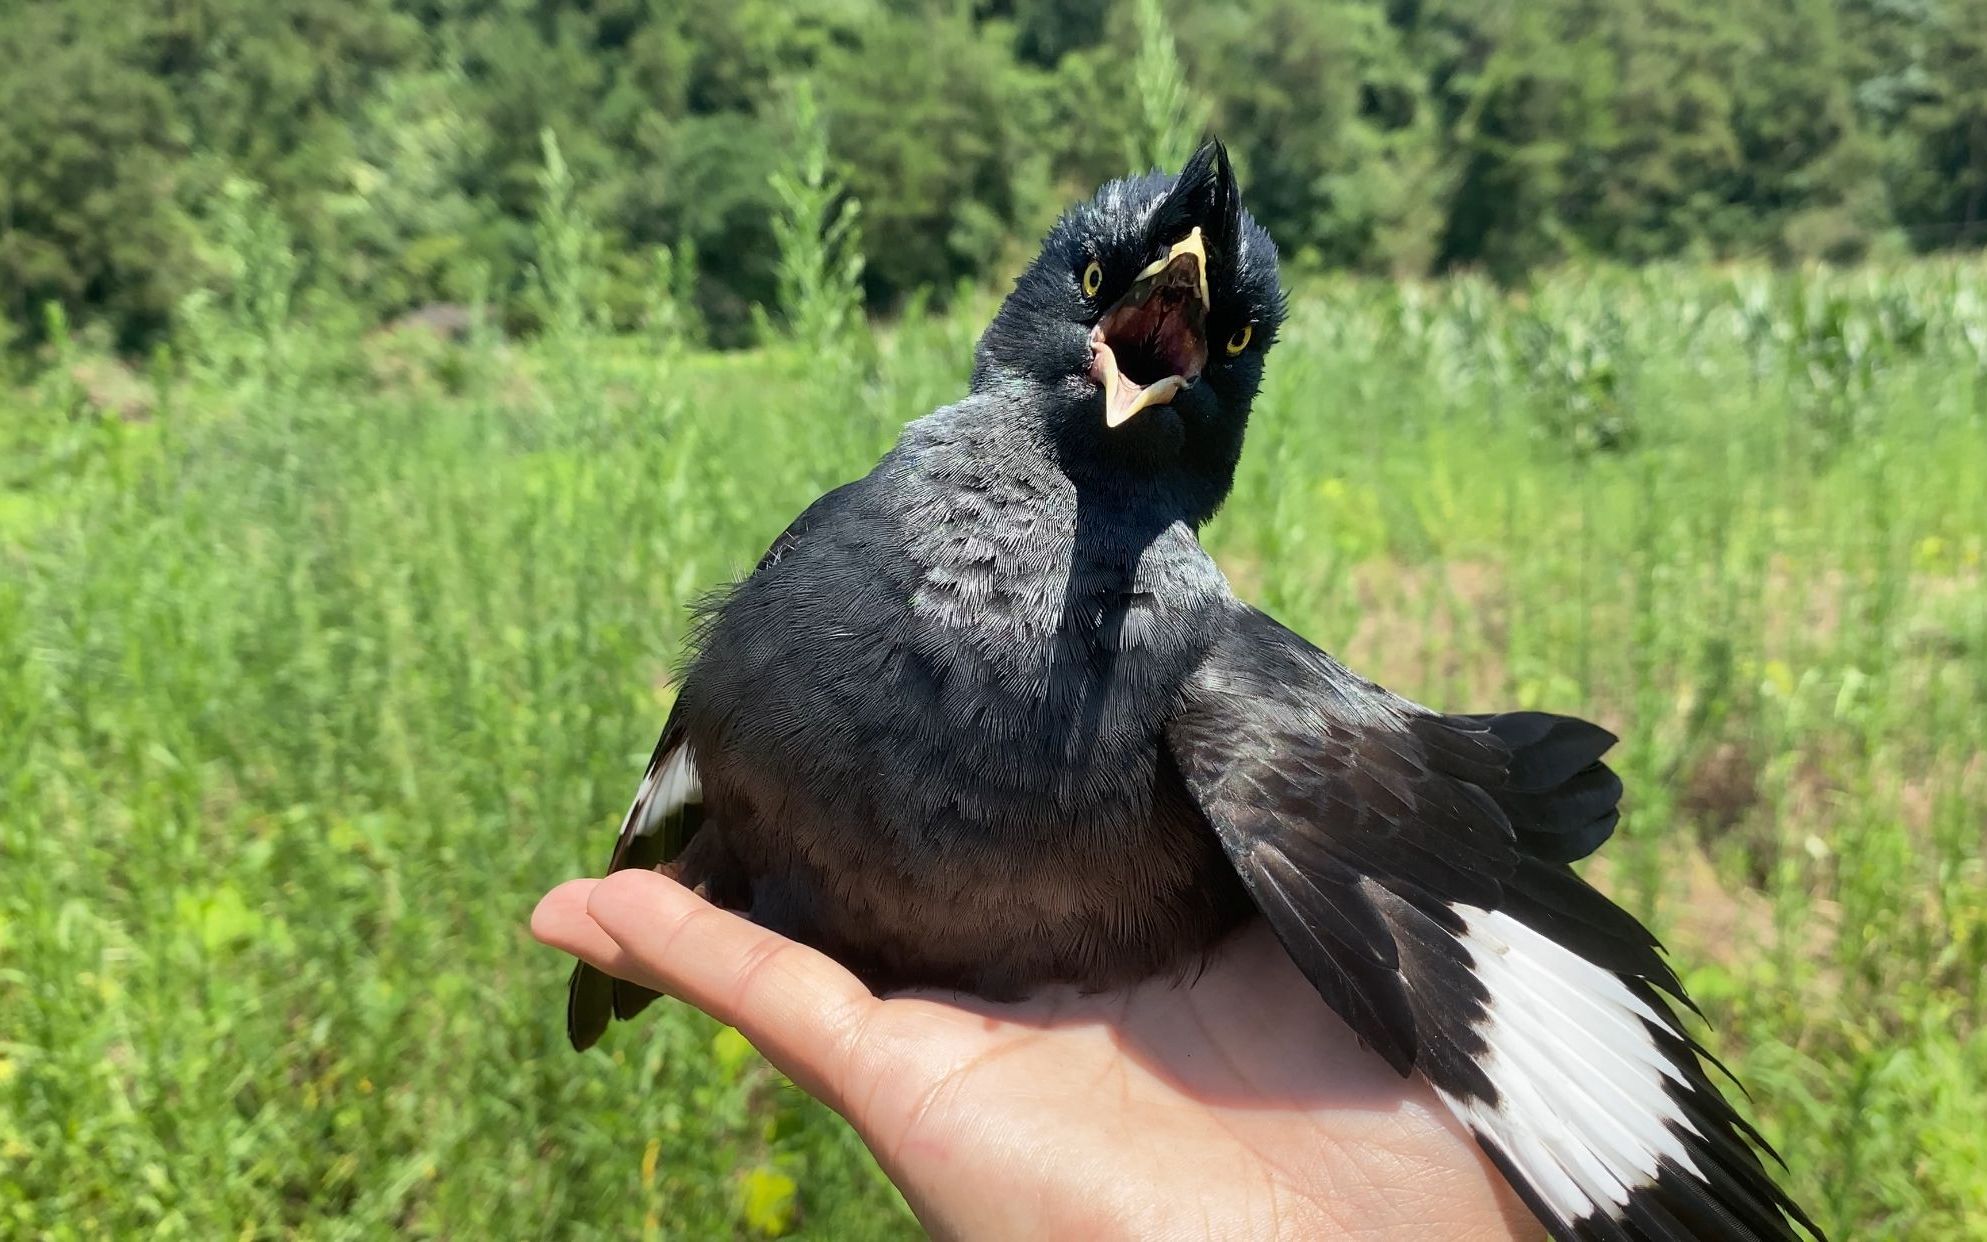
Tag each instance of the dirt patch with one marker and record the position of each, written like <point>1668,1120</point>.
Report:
<point>110,387</point>
<point>1721,788</point>
<point>1710,920</point>
<point>1437,625</point>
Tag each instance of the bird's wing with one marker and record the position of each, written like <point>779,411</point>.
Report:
<point>1415,867</point>
<point>666,813</point>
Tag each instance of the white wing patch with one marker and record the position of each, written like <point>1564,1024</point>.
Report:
<point>667,788</point>
<point>1582,1113</point>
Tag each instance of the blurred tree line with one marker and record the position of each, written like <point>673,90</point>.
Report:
<point>401,140</point>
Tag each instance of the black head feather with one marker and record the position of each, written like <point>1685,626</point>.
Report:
<point>1205,195</point>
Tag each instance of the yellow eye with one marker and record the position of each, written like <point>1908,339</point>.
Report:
<point>1093,279</point>
<point>1240,341</point>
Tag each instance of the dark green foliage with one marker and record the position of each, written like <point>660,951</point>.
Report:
<point>90,171</point>
<point>936,135</point>
<point>400,139</point>
<point>1334,82</point>
<point>1920,71</point>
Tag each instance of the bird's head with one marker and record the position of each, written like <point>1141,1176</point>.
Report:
<point>1137,336</point>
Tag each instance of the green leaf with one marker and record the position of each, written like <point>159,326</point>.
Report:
<point>733,1052</point>
<point>769,1201</point>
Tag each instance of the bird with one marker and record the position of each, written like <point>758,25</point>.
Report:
<point>989,718</point>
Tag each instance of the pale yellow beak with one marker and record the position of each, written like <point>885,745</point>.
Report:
<point>1124,398</point>
<point>1192,245</point>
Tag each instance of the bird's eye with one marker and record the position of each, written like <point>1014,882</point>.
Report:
<point>1240,341</point>
<point>1093,279</point>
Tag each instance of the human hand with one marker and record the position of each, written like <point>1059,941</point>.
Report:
<point>1234,1104</point>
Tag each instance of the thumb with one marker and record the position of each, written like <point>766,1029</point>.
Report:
<point>803,1011</point>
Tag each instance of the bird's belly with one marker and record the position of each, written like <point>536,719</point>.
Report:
<point>969,825</point>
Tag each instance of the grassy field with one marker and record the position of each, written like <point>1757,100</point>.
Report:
<point>322,656</point>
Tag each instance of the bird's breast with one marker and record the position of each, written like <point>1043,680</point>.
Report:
<point>966,733</point>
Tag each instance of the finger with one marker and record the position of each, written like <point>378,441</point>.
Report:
<point>797,1006</point>
<point>561,921</point>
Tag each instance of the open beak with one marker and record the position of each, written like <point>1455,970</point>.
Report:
<point>1152,345</point>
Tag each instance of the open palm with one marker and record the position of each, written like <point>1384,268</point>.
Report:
<point>1229,1104</point>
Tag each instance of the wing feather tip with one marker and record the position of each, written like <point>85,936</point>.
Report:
<point>589,1002</point>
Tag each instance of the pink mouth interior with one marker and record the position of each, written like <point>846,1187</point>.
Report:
<point>1156,336</point>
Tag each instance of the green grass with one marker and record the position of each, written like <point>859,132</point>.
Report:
<point>318,672</point>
